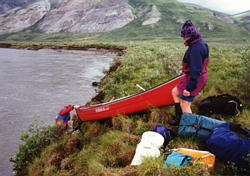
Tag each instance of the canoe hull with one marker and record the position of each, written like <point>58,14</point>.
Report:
<point>157,96</point>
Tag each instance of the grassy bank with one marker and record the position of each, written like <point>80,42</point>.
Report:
<point>107,147</point>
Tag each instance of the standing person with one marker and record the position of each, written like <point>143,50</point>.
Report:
<point>64,116</point>
<point>194,68</point>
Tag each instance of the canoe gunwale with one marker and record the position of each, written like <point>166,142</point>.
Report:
<point>127,97</point>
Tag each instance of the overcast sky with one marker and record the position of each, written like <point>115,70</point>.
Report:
<point>226,6</point>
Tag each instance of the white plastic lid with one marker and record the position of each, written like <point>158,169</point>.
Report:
<point>153,138</point>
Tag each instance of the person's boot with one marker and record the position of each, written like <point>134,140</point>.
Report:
<point>178,113</point>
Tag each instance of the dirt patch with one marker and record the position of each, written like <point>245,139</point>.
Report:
<point>116,123</point>
<point>99,97</point>
<point>114,67</point>
<point>65,164</point>
<point>54,159</point>
<point>91,131</point>
<point>95,84</point>
<point>126,127</point>
<point>126,171</point>
<point>5,45</point>
<point>125,158</point>
<point>38,172</point>
<point>159,116</point>
<point>73,145</point>
<point>132,139</point>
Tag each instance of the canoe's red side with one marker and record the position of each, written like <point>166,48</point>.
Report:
<point>158,96</point>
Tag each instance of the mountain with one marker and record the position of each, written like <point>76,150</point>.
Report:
<point>214,25</point>
<point>83,16</point>
<point>23,17</point>
<point>244,16</point>
<point>243,19</point>
<point>10,4</point>
<point>86,16</point>
<point>118,19</point>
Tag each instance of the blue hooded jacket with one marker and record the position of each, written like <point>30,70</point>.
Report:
<point>194,57</point>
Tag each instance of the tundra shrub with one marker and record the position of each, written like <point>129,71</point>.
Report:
<point>36,139</point>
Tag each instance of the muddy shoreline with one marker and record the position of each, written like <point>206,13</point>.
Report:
<point>104,48</point>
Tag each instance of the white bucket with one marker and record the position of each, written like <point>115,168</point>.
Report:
<point>144,149</point>
<point>153,138</point>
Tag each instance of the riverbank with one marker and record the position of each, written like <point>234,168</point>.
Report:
<point>38,84</point>
<point>107,147</point>
<point>119,49</point>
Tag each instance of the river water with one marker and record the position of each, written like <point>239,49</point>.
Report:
<point>40,83</point>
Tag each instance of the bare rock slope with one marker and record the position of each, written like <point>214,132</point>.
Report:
<point>83,16</point>
<point>18,19</point>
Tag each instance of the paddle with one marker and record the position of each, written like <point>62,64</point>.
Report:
<point>140,87</point>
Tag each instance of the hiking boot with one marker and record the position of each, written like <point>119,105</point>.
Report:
<point>177,108</point>
<point>178,113</point>
<point>174,122</point>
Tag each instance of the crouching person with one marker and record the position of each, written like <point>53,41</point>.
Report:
<point>64,116</point>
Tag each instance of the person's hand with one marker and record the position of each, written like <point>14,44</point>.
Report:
<point>76,106</point>
<point>186,93</point>
<point>180,72</point>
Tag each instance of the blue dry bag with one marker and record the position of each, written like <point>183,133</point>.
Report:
<point>166,133</point>
<point>229,147</point>
<point>197,126</point>
<point>177,159</point>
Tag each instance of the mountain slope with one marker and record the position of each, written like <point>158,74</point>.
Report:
<point>244,16</point>
<point>243,19</point>
<point>119,20</point>
<point>83,16</point>
<point>21,18</point>
<point>173,14</point>
<point>86,16</point>
<point>6,5</point>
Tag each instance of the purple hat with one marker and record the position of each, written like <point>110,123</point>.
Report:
<point>188,29</point>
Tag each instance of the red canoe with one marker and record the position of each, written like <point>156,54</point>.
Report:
<point>157,96</point>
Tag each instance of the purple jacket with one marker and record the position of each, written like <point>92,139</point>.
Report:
<point>194,66</point>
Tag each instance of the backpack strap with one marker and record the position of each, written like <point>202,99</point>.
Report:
<point>236,105</point>
<point>169,135</point>
<point>200,127</point>
<point>240,131</point>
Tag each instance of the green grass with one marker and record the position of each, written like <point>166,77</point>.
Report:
<point>108,146</point>
<point>151,55</point>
